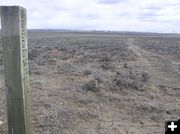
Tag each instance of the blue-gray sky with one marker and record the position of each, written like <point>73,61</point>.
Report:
<point>115,15</point>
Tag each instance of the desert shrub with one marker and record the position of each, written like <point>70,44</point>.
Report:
<point>133,79</point>
<point>106,50</point>
<point>161,45</point>
<point>87,72</point>
<point>34,69</point>
<point>98,78</point>
<point>65,57</point>
<point>105,58</point>
<point>41,61</point>
<point>87,115</point>
<point>110,85</point>
<point>65,68</point>
<point>1,56</point>
<point>51,120</point>
<point>81,61</point>
<point>91,57</point>
<point>125,65</point>
<point>33,54</point>
<point>91,85</point>
<point>1,51</point>
<point>106,66</point>
<point>51,61</point>
<point>150,107</point>
<point>1,60</point>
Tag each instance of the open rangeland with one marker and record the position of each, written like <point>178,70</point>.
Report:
<point>100,83</point>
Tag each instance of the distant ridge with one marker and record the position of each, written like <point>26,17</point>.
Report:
<point>123,33</point>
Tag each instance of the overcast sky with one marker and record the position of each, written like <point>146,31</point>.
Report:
<point>116,15</point>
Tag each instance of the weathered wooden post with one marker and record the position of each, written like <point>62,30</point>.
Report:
<point>15,55</point>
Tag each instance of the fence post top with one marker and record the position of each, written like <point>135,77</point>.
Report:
<point>10,10</point>
<point>14,6</point>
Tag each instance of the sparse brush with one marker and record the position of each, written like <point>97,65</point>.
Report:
<point>125,65</point>
<point>65,68</point>
<point>132,79</point>
<point>1,61</point>
<point>87,72</point>
<point>106,65</point>
<point>91,85</point>
<point>1,56</point>
<point>34,53</point>
<point>105,58</point>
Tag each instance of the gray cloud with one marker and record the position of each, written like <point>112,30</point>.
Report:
<point>110,1</point>
<point>92,16</point>
<point>148,16</point>
<point>147,19</point>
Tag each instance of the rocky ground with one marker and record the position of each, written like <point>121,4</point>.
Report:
<point>100,83</point>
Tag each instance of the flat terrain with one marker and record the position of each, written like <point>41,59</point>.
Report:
<point>100,83</point>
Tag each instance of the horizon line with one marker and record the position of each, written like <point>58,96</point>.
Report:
<point>94,30</point>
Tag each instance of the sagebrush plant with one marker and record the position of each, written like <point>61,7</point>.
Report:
<point>132,78</point>
<point>1,58</point>
<point>91,85</point>
<point>87,72</point>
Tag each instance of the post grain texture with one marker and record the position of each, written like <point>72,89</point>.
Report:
<point>15,56</point>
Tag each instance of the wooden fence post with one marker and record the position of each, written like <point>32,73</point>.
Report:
<point>15,56</point>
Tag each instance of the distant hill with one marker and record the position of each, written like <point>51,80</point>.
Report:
<point>123,33</point>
